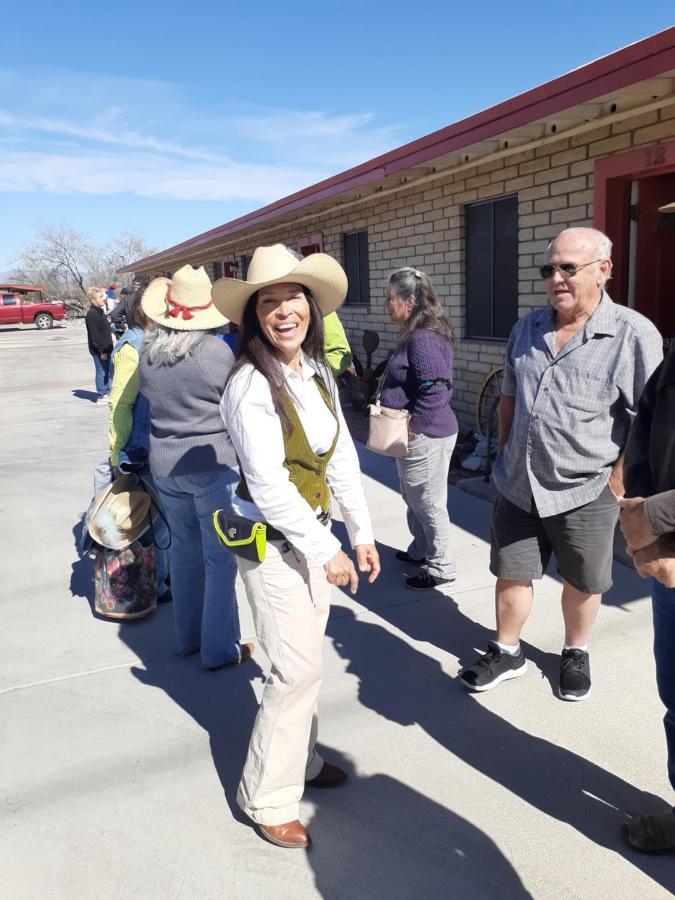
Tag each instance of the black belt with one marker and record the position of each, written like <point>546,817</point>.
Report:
<point>273,534</point>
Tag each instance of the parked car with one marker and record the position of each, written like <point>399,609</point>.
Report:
<point>15,311</point>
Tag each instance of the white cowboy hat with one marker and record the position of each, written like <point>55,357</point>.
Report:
<point>183,302</point>
<point>322,274</point>
<point>120,514</point>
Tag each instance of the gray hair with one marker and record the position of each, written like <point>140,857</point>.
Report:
<point>409,283</point>
<point>167,346</point>
<point>603,245</point>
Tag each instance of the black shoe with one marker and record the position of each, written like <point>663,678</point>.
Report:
<point>404,557</point>
<point>653,833</point>
<point>330,776</point>
<point>492,668</point>
<point>575,675</point>
<point>426,582</point>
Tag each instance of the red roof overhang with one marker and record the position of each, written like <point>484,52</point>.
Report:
<point>637,62</point>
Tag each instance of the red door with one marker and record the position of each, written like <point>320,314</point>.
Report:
<point>655,253</point>
<point>10,310</point>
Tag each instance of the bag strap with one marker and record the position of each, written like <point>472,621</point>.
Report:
<point>380,381</point>
<point>153,503</point>
<point>152,527</point>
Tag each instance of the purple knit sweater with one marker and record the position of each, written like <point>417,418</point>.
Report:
<point>425,356</point>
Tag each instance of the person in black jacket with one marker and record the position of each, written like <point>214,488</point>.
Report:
<point>648,524</point>
<point>120,313</point>
<point>100,342</point>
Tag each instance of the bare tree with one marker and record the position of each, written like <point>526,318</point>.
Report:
<point>124,249</point>
<point>64,263</point>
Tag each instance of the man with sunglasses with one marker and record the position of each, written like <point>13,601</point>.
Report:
<point>573,376</point>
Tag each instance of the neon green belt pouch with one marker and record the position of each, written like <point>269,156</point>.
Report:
<point>243,537</point>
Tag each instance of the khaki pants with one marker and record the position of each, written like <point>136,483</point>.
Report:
<point>290,601</point>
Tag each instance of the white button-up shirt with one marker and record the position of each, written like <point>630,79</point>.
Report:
<point>255,429</point>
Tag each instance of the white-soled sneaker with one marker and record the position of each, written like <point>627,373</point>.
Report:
<point>492,668</point>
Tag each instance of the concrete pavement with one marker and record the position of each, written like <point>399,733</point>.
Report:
<point>119,760</point>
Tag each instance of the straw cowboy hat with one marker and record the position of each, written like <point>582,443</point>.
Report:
<point>322,274</point>
<point>183,302</point>
<point>120,514</point>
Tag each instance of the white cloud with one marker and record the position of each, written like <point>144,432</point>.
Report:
<point>94,134</point>
<point>98,132</point>
<point>147,176</point>
<point>341,141</point>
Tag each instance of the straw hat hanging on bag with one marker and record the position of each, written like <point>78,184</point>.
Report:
<point>125,583</point>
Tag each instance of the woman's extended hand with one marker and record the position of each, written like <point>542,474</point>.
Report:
<point>368,560</point>
<point>341,572</point>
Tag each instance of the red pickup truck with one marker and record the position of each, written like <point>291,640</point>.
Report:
<point>15,311</point>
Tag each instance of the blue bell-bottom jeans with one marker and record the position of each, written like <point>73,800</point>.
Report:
<point>102,374</point>
<point>202,571</point>
<point>663,602</point>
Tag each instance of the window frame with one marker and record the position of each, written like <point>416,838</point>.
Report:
<point>475,331</point>
<point>362,279</point>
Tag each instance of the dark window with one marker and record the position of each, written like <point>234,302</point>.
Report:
<point>9,300</point>
<point>491,267</point>
<point>217,270</point>
<point>356,266</point>
<point>245,261</point>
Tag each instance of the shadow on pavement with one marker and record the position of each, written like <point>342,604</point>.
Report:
<point>628,586</point>
<point>408,687</point>
<point>222,702</point>
<point>81,394</point>
<point>376,837</point>
<point>82,569</point>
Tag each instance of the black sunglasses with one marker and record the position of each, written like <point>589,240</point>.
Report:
<point>569,269</point>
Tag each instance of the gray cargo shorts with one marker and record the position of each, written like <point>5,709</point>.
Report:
<point>582,540</point>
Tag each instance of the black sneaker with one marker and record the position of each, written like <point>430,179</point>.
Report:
<point>404,557</point>
<point>425,582</point>
<point>492,668</point>
<point>575,675</point>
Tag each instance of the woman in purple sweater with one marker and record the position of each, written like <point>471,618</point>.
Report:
<point>419,379</point>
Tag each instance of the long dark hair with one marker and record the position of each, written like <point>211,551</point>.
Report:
<point>427,311</point>
<point>253,347</point>
<point>135,314</point>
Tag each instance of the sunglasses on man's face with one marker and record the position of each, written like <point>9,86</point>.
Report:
<point>568,269</point>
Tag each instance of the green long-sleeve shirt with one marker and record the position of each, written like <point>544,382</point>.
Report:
<point>123,395</point>
<point>335,345</point>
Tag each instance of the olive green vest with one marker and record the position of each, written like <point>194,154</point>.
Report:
<point>306,469</point>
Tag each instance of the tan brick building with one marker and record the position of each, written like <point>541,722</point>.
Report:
<point>476,204</point>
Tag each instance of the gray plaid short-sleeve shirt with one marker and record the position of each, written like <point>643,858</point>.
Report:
<point>572,410</point>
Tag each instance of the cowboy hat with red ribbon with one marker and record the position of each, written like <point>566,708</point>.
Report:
<point>183,302</point>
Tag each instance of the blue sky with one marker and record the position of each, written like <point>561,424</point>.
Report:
<point>173,118</point>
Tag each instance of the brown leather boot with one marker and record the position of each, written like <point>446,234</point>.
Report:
<point>291,835</point>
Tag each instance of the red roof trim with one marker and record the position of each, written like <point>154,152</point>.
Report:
<point>637,62</point>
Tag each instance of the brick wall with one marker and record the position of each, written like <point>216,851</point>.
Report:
<point>424,226</point>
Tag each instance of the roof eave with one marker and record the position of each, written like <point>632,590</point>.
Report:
<point>637,62</point>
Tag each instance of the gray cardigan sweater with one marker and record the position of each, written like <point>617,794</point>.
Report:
<point>187,434</point>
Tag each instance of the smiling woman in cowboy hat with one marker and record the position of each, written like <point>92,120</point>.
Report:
<point>294,449</point>
<point>182,370</point>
